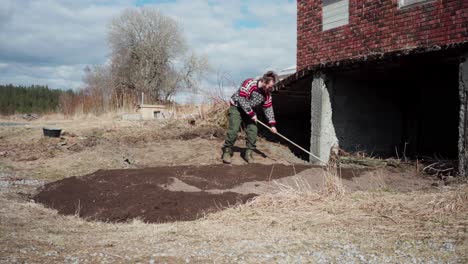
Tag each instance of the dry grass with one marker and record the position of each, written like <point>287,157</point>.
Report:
<point>299,195</point>
<point>378,180</point>
<point>178,112</point>
<point>333,185</point>
<point>216,114</point>
<point>396,225</point>
<point>450,202</point>
<point>295,224</point>
<point>449,205</point>
<point>104,142</point>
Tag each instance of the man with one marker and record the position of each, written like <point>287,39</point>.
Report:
<point>252,93</point>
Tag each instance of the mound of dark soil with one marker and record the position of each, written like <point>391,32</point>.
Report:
<point>121,195</point>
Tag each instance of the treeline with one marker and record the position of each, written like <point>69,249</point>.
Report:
<point>38,99</point>
<point>29,99</point>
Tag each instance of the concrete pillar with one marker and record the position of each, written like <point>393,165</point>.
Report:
<point>323,135</point>
<point>463,121</point>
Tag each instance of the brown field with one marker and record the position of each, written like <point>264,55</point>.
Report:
<point>277,210</point>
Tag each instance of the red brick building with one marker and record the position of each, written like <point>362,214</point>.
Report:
<point>377,26</point>
<point>388,77</point>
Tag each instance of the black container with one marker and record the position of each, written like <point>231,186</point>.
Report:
<point>52,132</point>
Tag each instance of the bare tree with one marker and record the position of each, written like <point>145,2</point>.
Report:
<point>149,54</point>
<point>98,85</point>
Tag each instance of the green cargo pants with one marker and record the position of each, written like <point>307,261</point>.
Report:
<point>235,117</point>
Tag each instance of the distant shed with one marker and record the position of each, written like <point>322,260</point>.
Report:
<point>151,112</point>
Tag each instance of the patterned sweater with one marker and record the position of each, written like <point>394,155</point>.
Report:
<point>249,96</point>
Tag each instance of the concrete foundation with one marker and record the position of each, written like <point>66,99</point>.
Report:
<point>323,135</point>
<point>463,120</point>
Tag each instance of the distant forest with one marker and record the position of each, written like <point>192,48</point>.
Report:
<point>29,99</point>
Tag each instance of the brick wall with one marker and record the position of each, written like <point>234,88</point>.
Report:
<point>378,26</point>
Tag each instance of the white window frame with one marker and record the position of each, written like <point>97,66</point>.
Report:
<point>332,13</point>
<point>406,3</point>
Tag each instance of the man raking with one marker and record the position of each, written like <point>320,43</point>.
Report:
<point>252,93</point>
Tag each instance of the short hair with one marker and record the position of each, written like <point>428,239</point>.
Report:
<point>269,76</point>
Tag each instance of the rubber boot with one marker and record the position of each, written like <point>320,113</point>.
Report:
<point>227,153</point>
<point>249,156</point>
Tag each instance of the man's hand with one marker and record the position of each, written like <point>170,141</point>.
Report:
<point>254,118</point>
<point>273,130</point>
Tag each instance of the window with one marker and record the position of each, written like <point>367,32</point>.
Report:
<point>404,3</point>
<point>335,13</point>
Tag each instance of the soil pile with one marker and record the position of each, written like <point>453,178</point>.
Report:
<point>122,195</point>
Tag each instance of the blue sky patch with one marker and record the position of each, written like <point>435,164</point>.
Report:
<point>246,23</point>
<point>146,2</point>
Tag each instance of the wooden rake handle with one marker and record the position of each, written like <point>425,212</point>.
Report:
<point>285,138</point>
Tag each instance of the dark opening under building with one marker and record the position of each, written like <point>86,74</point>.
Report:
<point>386,77</point>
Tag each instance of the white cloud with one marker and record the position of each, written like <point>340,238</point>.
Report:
<point>240,51</point>
<point>56,76</point>
<point>57,38</point>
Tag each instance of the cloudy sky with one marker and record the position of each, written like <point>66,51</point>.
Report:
<point>50,42</point>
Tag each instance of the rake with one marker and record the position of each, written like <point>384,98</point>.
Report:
<point>290,141</point>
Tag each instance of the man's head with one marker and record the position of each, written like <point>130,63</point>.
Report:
<point>268,79</point>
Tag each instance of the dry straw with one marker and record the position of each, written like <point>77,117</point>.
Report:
<point>450,202</point>
<point>333,185</point>
<point>300,194</point>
